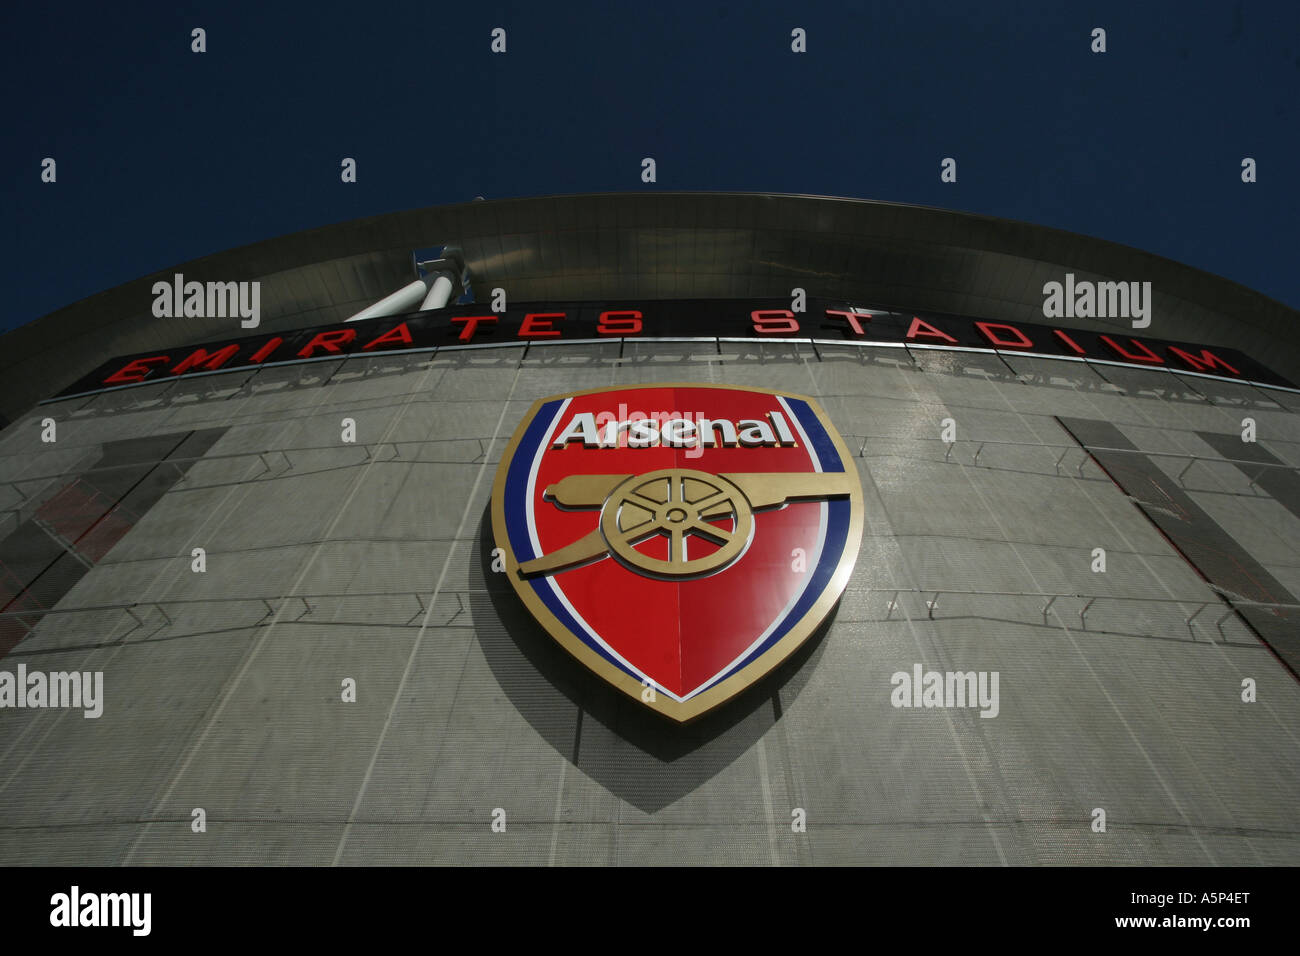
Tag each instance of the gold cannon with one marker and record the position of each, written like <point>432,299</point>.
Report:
<point>680,504</point>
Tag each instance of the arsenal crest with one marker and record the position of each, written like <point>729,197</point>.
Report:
<point>679,540</point>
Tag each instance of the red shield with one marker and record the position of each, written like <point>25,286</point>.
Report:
<point>679,540</point>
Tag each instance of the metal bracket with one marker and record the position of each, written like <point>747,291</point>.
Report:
<point>1048,606</point>
<point>420,613</point>
<point>1083,611</point>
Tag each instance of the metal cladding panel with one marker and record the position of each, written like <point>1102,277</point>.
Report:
<point>366,551</point>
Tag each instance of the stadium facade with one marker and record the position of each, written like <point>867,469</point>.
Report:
<point>279,552</point>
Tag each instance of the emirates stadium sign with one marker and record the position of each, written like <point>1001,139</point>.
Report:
<point>470,326</point>
<point>680,555</point>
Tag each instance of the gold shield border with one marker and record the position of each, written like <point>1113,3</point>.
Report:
<point>752,673</point>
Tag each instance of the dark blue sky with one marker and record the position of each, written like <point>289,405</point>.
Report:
<point>165,155</point>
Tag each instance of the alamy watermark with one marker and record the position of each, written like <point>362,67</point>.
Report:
<point>75,909</point>
<point>210,300</point>
<point>946,689</point>
<point>1098,300</point>
<point>37,689</point>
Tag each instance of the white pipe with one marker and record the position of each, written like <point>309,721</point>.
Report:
<point>439,293</point>
<point>404,299</point>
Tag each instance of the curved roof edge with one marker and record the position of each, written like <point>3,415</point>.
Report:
<point>658,245</point>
